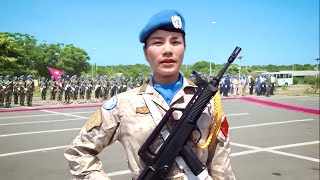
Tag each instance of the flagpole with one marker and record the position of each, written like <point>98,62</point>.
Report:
<point>92,70</point>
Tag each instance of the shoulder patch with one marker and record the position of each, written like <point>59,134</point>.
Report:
<point>94,120</point>
<point>111,103</point>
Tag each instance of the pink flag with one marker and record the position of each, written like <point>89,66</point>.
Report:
<point>55,72</point>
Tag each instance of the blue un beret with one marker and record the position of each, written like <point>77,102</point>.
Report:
<point>169,19</point>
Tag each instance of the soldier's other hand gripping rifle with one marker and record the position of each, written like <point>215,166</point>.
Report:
<point>158,164</point>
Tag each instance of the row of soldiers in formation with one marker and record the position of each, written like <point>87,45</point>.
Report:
<point>80,88</point>
<point>20,88</point>
<point>74,88</point>
<point>263,85</point>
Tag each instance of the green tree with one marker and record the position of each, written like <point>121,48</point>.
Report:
<point>73,60</point>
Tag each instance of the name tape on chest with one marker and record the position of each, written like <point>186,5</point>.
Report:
<point>142,110</point>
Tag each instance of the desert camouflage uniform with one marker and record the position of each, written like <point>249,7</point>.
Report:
<point>126,115</point>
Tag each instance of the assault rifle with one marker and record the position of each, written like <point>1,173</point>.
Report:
<point>158,164</point>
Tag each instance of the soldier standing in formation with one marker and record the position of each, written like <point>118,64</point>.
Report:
<point>59,90</point>
<point>251,84</point>
<point>21,90</point>
<point>74,89</point>
<point>139,80</point>
<point>43,89</point>
<point>88,89</point>
<point>52,86</point>
<point>29,89</point>
<point>15,84</point>
<point>1,91</point>
<point>82,88</point>
<point>8,88</point>
<point>268,85</point>
<point>67,89</point>
<point>226,85</point>
<point>130,83</point>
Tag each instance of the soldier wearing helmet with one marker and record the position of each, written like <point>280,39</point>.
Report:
<point>29,89</point>
<point>8,88</point>
<point>43,89</point>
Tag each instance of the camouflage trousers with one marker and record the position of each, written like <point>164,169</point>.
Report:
<point>29,98</point>
<point>7,98</point>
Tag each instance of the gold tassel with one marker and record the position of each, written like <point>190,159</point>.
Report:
<point>216,121</point>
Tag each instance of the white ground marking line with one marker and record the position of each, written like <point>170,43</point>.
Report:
<point>118,173</point>
<point>271,150</point>
<point>294,145</point>
<point>39,115</point>
<point>39,132</point>
<point>237,127</point>
<point>80,112</point>
<point>239,114</point>
<point>36,122</point>
<point>32,151</point>
<point>308,99</point>
<point>256,149</point>
<point>74,119</point>
<point>267,124</point>
<point>65,114</point>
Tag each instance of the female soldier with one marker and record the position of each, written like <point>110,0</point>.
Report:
<point>130,117</point>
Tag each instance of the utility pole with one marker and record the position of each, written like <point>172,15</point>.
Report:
<point>240,58</point>
<point>317,63</point>
<point>317,66</point>
<point>92,62</point>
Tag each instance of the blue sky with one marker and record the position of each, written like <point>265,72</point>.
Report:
<point>280,32</point>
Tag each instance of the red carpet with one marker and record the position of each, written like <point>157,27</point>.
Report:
<point>280,105</point>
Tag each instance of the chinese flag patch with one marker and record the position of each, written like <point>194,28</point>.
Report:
<point>225,127</point>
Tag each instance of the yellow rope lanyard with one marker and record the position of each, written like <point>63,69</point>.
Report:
<point>216,121</point>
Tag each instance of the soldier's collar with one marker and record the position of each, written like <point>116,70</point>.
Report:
<point>187,83</point>
<point>144,86</point>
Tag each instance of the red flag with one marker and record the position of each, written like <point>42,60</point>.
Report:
<point>55,72</point>
<point>225,127</point>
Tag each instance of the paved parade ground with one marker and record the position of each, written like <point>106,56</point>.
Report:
<point>271,138</point>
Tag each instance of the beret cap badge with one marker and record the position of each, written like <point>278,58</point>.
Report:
<point>176,21</point>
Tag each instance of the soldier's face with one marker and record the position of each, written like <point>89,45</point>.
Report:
<point>164,52</point>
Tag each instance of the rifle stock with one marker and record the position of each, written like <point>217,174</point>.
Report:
<point>158,164</point>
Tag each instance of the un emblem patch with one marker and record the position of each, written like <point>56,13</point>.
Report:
<point>111,103</point>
